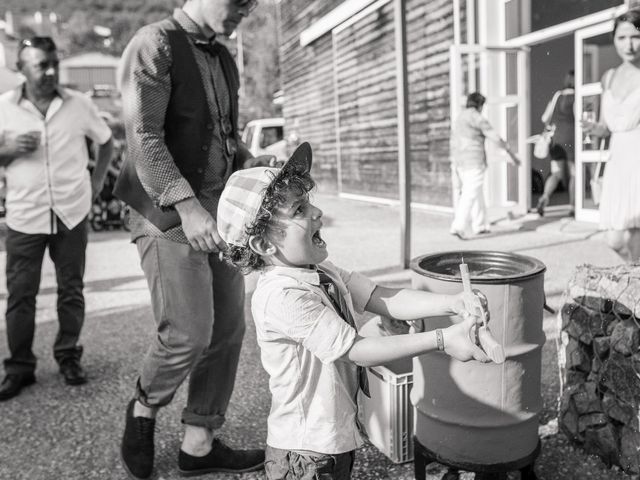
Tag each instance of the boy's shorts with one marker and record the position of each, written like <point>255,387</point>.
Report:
<point>287,465</point>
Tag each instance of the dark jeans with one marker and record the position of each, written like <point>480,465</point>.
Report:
<point>25,253</point>
<point>287,465</point>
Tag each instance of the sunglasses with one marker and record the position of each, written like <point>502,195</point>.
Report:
<point>230,144</point>
<point>43,43</point>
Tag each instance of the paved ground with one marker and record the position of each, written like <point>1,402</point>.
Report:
<point>56,432</point>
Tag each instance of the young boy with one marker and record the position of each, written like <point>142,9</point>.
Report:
<point>303,310</point>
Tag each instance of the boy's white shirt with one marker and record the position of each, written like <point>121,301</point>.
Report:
<point>302,339</point>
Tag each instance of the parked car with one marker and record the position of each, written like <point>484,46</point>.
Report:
<point>265,136</point>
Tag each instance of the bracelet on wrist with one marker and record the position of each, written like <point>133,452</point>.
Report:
<point>440,339</point>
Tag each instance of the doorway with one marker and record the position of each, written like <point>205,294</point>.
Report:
<point>550,63</point>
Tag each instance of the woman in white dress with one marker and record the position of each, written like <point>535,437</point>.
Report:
<point>620,118</point>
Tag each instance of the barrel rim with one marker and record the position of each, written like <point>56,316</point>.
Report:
<point>537,267</point>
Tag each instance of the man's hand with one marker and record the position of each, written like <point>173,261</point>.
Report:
<point>199,226</point>
<point>459,341</point>
<point>22,144</point>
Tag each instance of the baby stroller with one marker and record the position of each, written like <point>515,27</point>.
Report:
<point>108,212</point>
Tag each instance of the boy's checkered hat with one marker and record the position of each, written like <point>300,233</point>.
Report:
<point>244,192</point>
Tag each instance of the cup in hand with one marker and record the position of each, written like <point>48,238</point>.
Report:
<point>35,136</point>
<point>25,142</point>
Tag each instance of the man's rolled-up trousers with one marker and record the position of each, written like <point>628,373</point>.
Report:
<point>198,306</point>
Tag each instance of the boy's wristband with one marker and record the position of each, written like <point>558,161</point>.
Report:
<point>440,339</point>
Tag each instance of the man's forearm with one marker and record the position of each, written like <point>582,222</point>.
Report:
<point>104,154</point>
<point>5,156</point>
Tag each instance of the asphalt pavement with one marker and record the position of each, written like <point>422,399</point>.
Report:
<point>52,431</point>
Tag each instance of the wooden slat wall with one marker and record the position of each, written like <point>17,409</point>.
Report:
<point>366,92</point>
<point>307,79</point>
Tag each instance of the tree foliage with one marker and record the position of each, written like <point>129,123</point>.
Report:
<point>76,19</point>
<point>74,33</point>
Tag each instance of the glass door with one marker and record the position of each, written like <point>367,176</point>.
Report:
<point>502,76</point>
<point>594,55</point>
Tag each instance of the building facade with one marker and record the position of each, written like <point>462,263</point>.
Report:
<point>339,76</point>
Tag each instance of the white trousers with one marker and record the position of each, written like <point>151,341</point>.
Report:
<point>471,209</point>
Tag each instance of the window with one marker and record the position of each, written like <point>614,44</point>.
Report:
<point>270,135</point>
<point>526,16</point>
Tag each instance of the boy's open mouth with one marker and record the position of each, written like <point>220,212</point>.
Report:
<point>317,240</point>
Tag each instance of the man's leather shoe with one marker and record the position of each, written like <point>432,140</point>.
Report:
<point>220,459</point>
<point>13,383</point>
<point>137,449</point>
<point>72,372</point>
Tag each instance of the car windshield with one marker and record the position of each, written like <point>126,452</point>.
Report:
<point>270,135</point>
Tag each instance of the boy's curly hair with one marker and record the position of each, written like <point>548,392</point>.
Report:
<point>285,182</point>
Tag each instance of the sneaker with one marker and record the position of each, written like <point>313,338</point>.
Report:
<point>221,458</point>
<point>137,448</point>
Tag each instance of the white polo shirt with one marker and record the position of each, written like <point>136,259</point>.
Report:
<point>302,340</point>
<point>54,178</point>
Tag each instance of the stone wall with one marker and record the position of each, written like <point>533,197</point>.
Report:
<point>600,363</point>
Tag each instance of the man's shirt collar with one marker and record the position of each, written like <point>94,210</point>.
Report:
<point>18,94</point>
<point>191,27</point>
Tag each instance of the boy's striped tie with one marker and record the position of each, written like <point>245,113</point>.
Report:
<point>340,304</point>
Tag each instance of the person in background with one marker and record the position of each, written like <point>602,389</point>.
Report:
<point>559,113</point>
<point>43,130</point>
<point>620,118</point>
<point>180,101</point>
<point>469,164</point>
<point>304,307</point>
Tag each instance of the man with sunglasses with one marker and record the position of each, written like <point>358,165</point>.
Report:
<point>180,100</point>
<point>43,130</point>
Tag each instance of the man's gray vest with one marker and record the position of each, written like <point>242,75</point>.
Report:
<point>188,126</point>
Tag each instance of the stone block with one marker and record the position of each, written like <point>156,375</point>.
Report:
<point>591,421</point>
<point>586,399</point>
<point>601,346</point>
<point>602,441</point>
<point>630,450</point>
<point>625,338</point>
<point>578,356</point>
<point>617,409</point>
<point>619,377</point>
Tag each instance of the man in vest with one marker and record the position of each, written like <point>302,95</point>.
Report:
<point>180,101</point>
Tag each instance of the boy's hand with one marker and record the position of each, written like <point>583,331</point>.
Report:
<point>459,340</point>
<point>459,306</point>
